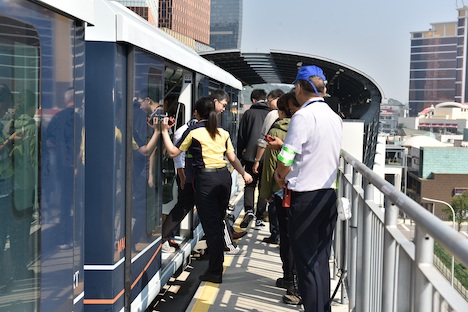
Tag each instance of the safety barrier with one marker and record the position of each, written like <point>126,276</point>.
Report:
<point>382,269</point>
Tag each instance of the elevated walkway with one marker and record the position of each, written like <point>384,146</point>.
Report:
<point>249,280</point>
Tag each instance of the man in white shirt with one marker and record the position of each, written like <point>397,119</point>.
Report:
<point>307,166</point>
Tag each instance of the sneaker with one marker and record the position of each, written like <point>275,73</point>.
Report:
<point>167,248</point>
<point>236,252</point>
<point>259,225</point>
<point>292,298</point>
<point>249,216</point>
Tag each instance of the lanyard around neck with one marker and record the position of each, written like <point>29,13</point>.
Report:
<point>313,101</point>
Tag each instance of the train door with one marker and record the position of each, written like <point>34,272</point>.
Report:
<point>177,104</point>
<point>144,179</point>
<point>41,169</point>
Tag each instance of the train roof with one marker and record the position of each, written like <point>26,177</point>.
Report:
<point>82,10</point>
<point>116,23</point>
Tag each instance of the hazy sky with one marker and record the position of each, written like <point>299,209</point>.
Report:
<point>372,36</point>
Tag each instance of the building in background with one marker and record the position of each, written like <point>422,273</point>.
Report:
<point>148,9</point>
<point>438,64</point>
<point>390,111</point>
<point>186,20</point>
<point>435,170</point>
<point>226,24</point>
<point>433,66</point>
<point>448,117</point>
<point>186,17</point>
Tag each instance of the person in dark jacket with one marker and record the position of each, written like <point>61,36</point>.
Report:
<point>250,128</point>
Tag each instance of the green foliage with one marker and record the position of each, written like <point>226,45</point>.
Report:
<point>460,206</point>
<point>460,272</point>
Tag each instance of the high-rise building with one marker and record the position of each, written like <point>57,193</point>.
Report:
<point>226,24</point>
<point>461,92</point>
<point>433,66</point>
<point>438,64</point>
<point>187,17</point>
<point>148,9</point>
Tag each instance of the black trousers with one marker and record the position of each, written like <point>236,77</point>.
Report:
<point>313,220</point>
<point>284,214</point>
<point>249,191</point>
<point>185,203</point>
<point>212,193</point>
<point>273,219</point>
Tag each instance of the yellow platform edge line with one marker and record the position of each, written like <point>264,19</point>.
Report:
<point>208,292</point>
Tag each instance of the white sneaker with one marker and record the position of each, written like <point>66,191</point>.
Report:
<point>237,251</point>
<point>259,225</point>
<point>167,248</point>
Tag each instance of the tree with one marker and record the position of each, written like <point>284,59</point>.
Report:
<point>460,206</point>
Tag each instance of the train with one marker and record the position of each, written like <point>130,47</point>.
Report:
<point>81,199</point>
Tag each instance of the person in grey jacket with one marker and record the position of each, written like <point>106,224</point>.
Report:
<point>250,128</point>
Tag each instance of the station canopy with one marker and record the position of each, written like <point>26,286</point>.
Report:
<point>343,82</point>
<point>350,93</point>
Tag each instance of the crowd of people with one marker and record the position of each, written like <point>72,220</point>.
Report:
<point>288,147</point>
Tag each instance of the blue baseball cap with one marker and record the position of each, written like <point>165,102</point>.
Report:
<point>307,71</point>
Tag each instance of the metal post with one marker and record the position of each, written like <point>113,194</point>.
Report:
<point>453,226</point>
<point>424,257</point>
<point>353,239</point>
<point>389,257</point>
<point>363,304</point>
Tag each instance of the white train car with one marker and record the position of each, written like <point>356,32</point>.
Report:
<point>81,207</point>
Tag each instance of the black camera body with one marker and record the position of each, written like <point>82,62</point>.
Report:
<point>160,114</point>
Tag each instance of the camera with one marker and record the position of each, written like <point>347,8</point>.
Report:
<point>160,114</point>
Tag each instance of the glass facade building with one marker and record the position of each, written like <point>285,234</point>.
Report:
<point>433,66</point>
<point>186,17</point>
<point>148,9</point>
<point>438,64</point>
<point>226,24</point>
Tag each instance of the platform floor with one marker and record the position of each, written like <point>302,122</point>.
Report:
<point>249,280</point>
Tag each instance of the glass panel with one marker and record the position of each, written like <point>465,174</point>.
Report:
<point>147,189</point>
<point>19,165</point>
<point>172,88</point>
<point>39,136</point>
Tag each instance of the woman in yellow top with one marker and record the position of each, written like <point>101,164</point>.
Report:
<point>208,145</point>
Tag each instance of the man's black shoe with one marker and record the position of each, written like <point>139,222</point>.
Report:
<point>271,240</point>
<point>218,279</point>
<point>284,283</point>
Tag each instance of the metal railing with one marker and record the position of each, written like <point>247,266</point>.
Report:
<point>384,269</point>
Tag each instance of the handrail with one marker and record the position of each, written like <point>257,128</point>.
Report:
<point>453,241</point>
<point>388,270</point>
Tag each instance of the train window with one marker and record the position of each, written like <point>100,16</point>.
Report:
<point>19,161</point>
<point>37,160</point>
<point>148,82</point>
<point>200,90</point>
<point>173,84</point>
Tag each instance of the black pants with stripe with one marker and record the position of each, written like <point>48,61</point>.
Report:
<point>313,220</point>
<point>212,193</point>
<point>185,203</point>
